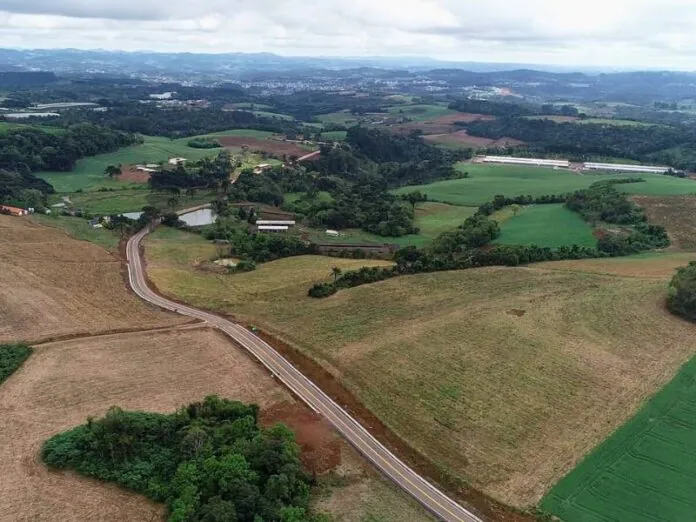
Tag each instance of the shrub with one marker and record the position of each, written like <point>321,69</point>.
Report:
<point>681,299</point>
<point>12,356</point>
<point>243,266</point>
<point>204,143</point>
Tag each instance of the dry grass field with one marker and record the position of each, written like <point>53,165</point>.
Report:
<point>64,382</point>
<point>505,377</point>
<point>677,214</point>
<point>52,285</point>
<point>76,287</point>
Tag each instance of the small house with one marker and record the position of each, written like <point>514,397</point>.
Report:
<point>332,233</point>
<point>13,211</point>
<point>177,161</point>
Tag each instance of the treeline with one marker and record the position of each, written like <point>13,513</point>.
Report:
<point>462,249</point>
<point>657,144</point>
<point>22,188</point>
<point>259,248</point>
<point>204,174</point>
<point>209,461</point>
<point>176,122</point>
<point>507,109</point>
<point>32,149</point>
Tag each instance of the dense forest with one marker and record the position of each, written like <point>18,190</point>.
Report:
<point>30,149</point>
<point>208,462</point>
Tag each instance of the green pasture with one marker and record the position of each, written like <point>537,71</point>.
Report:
<point>341,118</point>
<point>420,112</point>
<point>486,181</point>
<point>646,471</point>
<point>547,226</point>
<point>615,122</point>
<point>277,115</point>
<point>244,133</point>
<point>80,228</point>
<point>334,135</point>
<point>88,174</point>
<point>132,200</point>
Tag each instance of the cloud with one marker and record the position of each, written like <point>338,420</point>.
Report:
<point>588,32</point>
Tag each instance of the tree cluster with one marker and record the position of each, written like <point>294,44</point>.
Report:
<point>681,298</point>
<point>257,247</point>
<point>208,462</point>
<point>12,356</point>
<point>205,174</point>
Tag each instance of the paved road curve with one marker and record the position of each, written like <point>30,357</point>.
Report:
<point>429,496</point>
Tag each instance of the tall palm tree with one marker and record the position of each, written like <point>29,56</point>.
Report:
<point>335,271</point>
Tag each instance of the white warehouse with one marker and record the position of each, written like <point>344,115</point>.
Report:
<point>648,169</point>
<point>538,162</point>
<point>270,222</point>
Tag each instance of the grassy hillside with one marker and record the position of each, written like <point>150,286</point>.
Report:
<point>420,112</point>
<point>547,226</point>
<point>89,172</point>
<point>645,471</point>
<point>503,377</point>
<point>486,181</point>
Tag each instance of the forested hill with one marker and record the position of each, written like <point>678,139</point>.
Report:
<point>31,149</point>
<point>657,144</point>
<point>26,79</point>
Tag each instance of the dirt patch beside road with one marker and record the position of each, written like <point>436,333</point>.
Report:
<point>130,173</point>
<point>275,147</point>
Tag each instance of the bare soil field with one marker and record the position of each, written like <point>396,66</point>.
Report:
<point>275,147</point>
<point>131,174</point>
<point>466,117</point>
<point>460,138</point>
<point>52,285</point>
<point>677,214</point>
<point>503,377</point>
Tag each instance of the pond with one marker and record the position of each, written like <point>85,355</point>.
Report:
<point>199,218</point>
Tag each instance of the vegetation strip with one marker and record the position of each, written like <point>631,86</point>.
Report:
<point>12,356</point>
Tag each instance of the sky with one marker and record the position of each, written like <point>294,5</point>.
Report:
<point>607,33</point>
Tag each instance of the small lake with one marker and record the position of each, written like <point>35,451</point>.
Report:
<point>199,218</point>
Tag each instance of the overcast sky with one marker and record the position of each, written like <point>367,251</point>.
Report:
<point>616,33</point>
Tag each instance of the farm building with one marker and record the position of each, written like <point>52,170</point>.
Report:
<point>311,156</point>
<point>13,211</point>
<point>177,161</point>
<point>275,222</point>
<point>262,167</point>
<point>537,162</point>
<point>648,169</point>
<point>332,233</point>
<point>273,228</point>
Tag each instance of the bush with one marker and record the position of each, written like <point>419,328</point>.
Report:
<point>243,266</point>
<point>12,356</point>
<point>681,299</point>
<point>204,143</point>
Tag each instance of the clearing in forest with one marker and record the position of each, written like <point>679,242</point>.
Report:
<point>546,226</point>
<point>504,377</point>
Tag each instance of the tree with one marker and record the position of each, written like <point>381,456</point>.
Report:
<point>515,209</point>
<point>113,170</point>
<point>336,272</point>
<point>415,197</point>
<point>681,299</point>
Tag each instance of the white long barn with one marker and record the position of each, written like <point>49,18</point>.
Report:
<point>618,167</point>
<point>274,222</point>
<point>538,162</point>
<point>273,228</point>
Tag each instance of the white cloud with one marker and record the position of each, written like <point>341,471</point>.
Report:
<point>590,32</point>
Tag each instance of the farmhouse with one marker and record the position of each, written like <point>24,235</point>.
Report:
<point>13,211</point>
<point>177,161</point>
<point>538,162</point>
<point>262,167</point>
<point>648,169</point>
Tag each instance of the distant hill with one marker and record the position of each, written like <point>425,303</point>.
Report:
<point>26,79</point>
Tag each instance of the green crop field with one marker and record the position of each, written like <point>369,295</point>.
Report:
<point>420,112</point>
<point>486,181</point>
<point>88,174</point>
<point>610,121</point>
<point>277,115</point>
<point>341,118</point>
<point>547,226</point>
<point>334,135</point>
<point>646,471</point>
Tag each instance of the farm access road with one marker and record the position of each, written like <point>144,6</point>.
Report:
<point>404,477</point>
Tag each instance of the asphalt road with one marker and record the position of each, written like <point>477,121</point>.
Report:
<point>408,480</point>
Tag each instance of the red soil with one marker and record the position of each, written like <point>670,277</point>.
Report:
<point>321,447</point>
<point>274,147</point>
<point>129,173</point>
<point>467,117</point>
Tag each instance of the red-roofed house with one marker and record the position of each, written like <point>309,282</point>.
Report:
<point>13,211</point>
